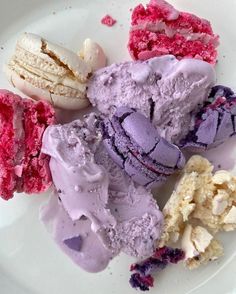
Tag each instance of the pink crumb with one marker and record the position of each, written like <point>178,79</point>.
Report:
<point>108,21</point>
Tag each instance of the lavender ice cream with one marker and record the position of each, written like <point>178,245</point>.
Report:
<point>214,123</point>
<point>135,145</point>
<point>164,89</point>
<point>98,211</point>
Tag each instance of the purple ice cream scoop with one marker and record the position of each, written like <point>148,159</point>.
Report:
<point>135,145</point>
<point>214,123</point>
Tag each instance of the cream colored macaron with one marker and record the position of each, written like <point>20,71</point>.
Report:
<point>44,70</point>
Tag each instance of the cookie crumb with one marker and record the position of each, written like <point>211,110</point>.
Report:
<point>109,21</point>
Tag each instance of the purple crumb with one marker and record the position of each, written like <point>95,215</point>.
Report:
<point>141,282</point>
<point>74,243</point>
<point>142,278</point>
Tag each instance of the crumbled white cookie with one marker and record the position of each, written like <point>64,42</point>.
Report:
<point>200,196</point>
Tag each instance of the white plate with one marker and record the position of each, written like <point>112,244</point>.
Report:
<point>29,260</point>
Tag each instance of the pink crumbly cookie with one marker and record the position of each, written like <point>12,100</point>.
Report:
<point>160,29</point>
<point>108,21</point>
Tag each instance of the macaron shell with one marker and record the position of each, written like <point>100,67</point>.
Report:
<point>44,70</point>
<point>142,175</point>
<point>53,52</point>
<point>135,145</point>
<point>211,125</point>
<point>113,152</point>
<point>63,102</point>
<point>63,83</point>
<point>141,131</point>
<point>167,154</point>
<point>226,128</point>
<point>77,65</point>
<point>214,123</point>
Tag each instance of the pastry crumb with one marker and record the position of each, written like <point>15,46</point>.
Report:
<point>108,21</point>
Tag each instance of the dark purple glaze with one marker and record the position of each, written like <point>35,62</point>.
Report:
<point>135,145</point>
<point>214,123</point>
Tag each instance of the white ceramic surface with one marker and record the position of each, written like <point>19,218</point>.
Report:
<point>29,260</point>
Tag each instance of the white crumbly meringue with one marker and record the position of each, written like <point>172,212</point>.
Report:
<point>195,241</point>
<point>187,243</point>
<point>230,218</point>
<point>200,197</point>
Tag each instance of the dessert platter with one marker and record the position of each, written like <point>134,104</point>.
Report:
<point>117,147</point>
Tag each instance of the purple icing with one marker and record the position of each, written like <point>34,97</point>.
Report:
<point>135,145</point>
<point>74,243</point>
<point>214,123</point>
